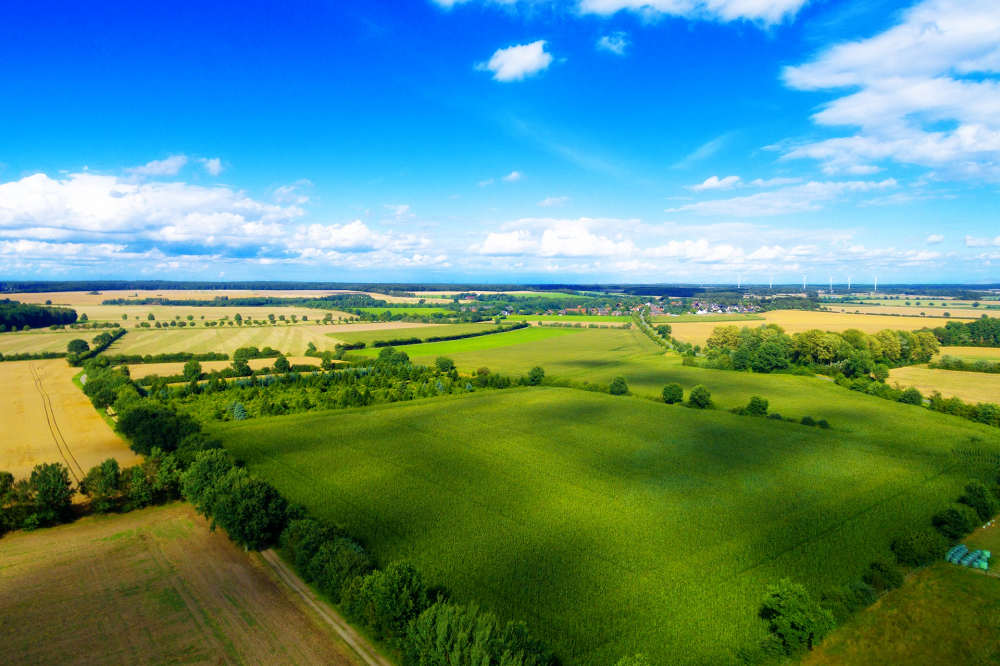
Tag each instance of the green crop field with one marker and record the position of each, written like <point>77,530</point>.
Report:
<point>521,336</point>
<point>616,525</point>
<point>413,331</point>
<point>409,312</point>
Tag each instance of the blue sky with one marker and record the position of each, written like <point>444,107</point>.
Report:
<point>545,140</point>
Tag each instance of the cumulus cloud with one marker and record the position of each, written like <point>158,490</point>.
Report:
<point>714,183</point>
<point>560,238</point>
<point>922,92</point>
<point>212,166</point>
<point>553,201</point>
<point>934,239</point>
<point>785,200</point>
<point>513,177</point>
<point>294,193</point>
<point>514,63</point>
<point>88,217</point>
<point>972,241</point>
<point>168,167</point>
<point>615,43</point>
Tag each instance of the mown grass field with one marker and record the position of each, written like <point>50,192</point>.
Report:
<point>428,351</point>
<point>149,587</point>
<point>969,386</point>
<point>617,525</point>
<point>943,615</point>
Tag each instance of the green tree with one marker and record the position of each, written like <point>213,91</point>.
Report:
<point>756,407</point>
<point>239,319</point>
<point>957,521</point>
<point>981,499</point>
<point>880,372</point>
<point>664,330</point>
<point>535,376</point>
<point>770,356</point>
<point>103,486</point>
<point>336,563</point>
<point>192,371</point>
<point>77,347</point>
<point>249,509</point>
<point>742,358</point>
<point>444,364</point>
<point>618,386</point>
<point>53,493</point>
<point>673,393</point>
<point>139,491</point>
<point>199,484</point>
<point>150,425</point>
<point>700,397</point>
<point>918,547</point>
<point>797,622</point>
<point>912,396</point>
<point>150,317</point>
<point>282,365</point>
<point>388,600</point>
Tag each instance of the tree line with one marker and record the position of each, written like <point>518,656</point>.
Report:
<point>15,315</point>
<point>983,332</point>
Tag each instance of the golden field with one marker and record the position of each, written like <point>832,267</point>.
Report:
<point>969,386</point>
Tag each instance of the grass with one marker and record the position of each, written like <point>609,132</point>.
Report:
<point>619,525</point>
<point>943,615</point>
<point>969,386</point>
<point>483,342</point>
<point>413,331</point>
<point>150,587</point>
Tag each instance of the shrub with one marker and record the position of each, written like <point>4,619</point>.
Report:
<point>956,521</point>
<point>700,397</point>
<point>808,421</point>
<point>883,576</point>
<point>796,621</point>
<point>336,563</point>
<point>689,361</point>
<point>618,386</point>
<point>673,393</point>
<point>979,497</point>
<point>444,364</point>
<point>822,423</point>
<point>535,376</point>
<point>756,407</point>
<point>912,396</point>
<point>918,547</point>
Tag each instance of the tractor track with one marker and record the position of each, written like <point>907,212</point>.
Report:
<point>50,419</point>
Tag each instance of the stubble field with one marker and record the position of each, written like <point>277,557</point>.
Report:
<point>47,419</point>
<point>150,587</point>
<point>969,386</point>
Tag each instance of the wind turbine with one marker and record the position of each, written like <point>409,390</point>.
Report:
<point>831,282</point>
<point>770,285</point>
<point>876,283</point>
<point>803,282</point>
<point>739,280</point>
<point>849,282</point>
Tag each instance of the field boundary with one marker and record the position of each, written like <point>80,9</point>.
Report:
<point>352,638</point>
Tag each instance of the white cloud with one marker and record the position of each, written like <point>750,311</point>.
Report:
<point>560,238</point>
<point>700,250</point>
<point>168,167</point>
<point>972,241</point>
<point>615,43</point>
<point>774,182</point>
<point>934,239</point>
<point>514,63</point>
<point>484,183</point>
<point>212,166</point>
<point>762,11</point>
<point>792,199</point>
<point>921,92</point>
<point>294,193</point>
<point>553,201</point>
<point>714,183</point>
<point>513,177</point>
<point>400,211</point>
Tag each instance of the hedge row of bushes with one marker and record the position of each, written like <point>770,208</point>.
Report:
<point>176,357</point>
<point>949,362</point>
<point>36,356</point>
<point>444,338</point>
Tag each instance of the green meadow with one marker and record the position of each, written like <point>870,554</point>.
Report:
<point>616,525</point>
<point>426,352</point>
<point>416,331</point>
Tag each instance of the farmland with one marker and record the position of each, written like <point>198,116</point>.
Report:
<point>797,321</point>
<point>972,353</point>
<point>355,333</point>
<point>618,525</point>
<point>427,351</point>
<point>150,587</point>
<point>47,419</point>
<point>969,386</point>
<point>168,369</point>
<point>42,341</point>
<point>942,615</point>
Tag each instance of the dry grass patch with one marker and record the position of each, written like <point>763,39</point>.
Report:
<point>969,386</point>
<point>47,419</point>
<point>150,587</point>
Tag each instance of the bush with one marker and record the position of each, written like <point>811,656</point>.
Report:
<point>797,623</point>
<point>808,421</point>
<point>979,497</point>
<point>673,393</point>
<point>444,364</point>
<point>957,521</point>
<point>883,576</point>
<point>822,423</point>
<point>281,365</point>
<point>535,376</point>
<point>912,396</point>
<point>756,407</point>
<point>618,386</point>
<point>103,486</point>
<point>387,600</point>
<point>918,547</point>
<point>336,564</point>
<point>700,397</point>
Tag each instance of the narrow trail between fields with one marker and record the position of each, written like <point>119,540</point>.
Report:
<point>50,419</point>
<point>353,639</point>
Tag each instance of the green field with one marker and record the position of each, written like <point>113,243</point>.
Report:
<point>620,525</point>
<point>680,319</point>
<point>410,312</point>
<point>419,331</point>
<point>521,336</point>
<point>573,319</point>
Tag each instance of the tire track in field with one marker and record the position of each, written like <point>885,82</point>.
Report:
<point>50,420</point>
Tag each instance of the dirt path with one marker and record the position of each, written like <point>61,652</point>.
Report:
<point>357,642</point>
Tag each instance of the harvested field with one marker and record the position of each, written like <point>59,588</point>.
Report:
<point>48,419</point>
<point>150,587</point>
<point>937,311</point>
<point>43,341</point>
<point>139,313</point>
<point>167,369</point>
<point>972,353</point>
<point>969,386</point>
<point>797,321</point>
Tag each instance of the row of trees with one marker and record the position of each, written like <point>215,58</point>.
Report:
<point>15,315</point>
<point>983,332</point>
